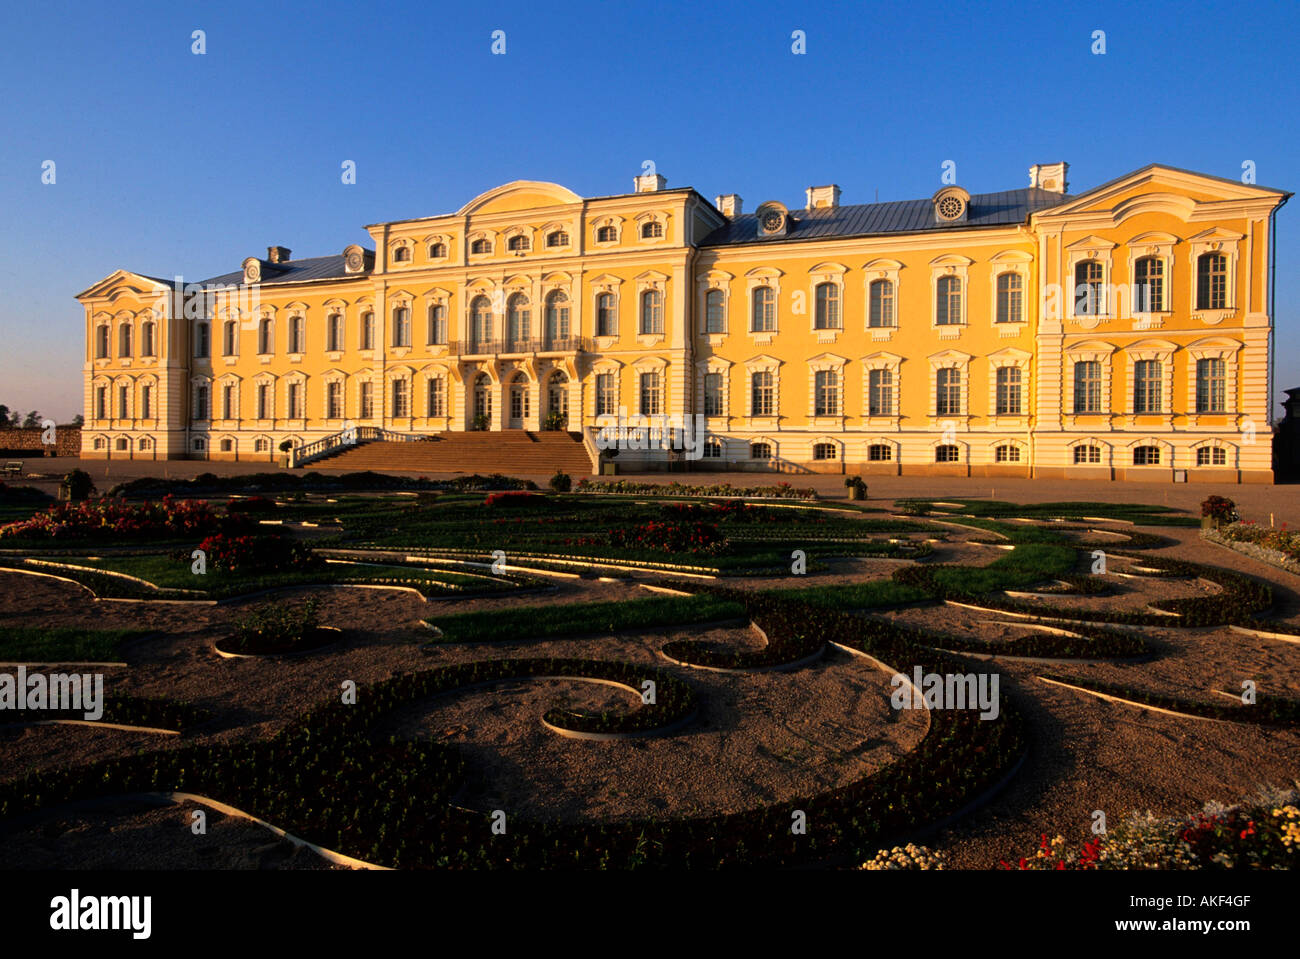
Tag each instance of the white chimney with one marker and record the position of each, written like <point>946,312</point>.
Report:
<point>1049,176</point>
<point>823,196</point>
<point>649,183</point>
<point>728,204</point>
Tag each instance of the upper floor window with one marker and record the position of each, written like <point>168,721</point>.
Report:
<point>764,319</point>
<point>297,334</point>
<point>606,234</point>
<point>948,301</point>
<point>1211,386</point>
<point>947,400</point>
<point>557,238</point>
<point>367,338</point>
<point>202,344</point>
<point>402,254</point>
<point>517,243</point>
<point>880,313</point>
<point>1149,285</point>
<point>437,324</point>
<point>101,342</point>
<point>229,338</point>
<point>713,394</point>
<point>826,393</point>
<point>518,319</point>
<point>1088,295</point>
<point>146,338</point>
<point>1087,386</point>
<point>124,340</point>
<point>229,409</point>
<point>1212,282</point>
<point>827,315</point>
<point>606,320</point>
<point>437,405</point>
<point>264,401</point>
<point>481,245</point>
<point>265,336</point>
<point>557,316</point>
<point>1011,298</point>
<point>334,399</point>
<point>713,311</point>
<point>652,311</point>
<point>1146,386</point>
<point>480,314</point>
<point>334,332</point>
<point>880,393</point>
<point>437,251</point>
<point>651,393</point>
<point>1008,391</point>
<point>762,386</point>
<point>606,394</point>
<point>401,326</point>
<point>651,230</point>
<point>201,402</point>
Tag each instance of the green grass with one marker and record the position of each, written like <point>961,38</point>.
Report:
<point>1028,563</point>
<point>547,622</point>
<point>868,595</point>
<point>1137,513</point>
<point>63,644</point>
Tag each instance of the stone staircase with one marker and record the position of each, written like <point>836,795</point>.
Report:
<point>513,452</point>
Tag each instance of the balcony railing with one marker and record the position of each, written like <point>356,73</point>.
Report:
<point>546,344</point>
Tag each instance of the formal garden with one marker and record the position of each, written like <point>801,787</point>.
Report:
<point>481,673</point>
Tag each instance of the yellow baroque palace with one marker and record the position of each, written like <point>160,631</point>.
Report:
<point>1120,333</point>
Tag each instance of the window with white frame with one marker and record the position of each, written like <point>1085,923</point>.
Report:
<point>651,392</point>
<point>480,320</point>
<point>880,453</point>
<point>762,392</point>
<point>1149,285</point>
<point>1008,401</point>
<point>825,451</point>
<point>1006,453</point>
<point>606,394</point>
<point>266,336</point>
<point>557,317</point>
<point>760,451</point>
<point>947,453</point>
<point>264,401</point>
<point>202,346</point>
<point>295,401</point>
<point>101,342</point>
<point>401,388</point>
<point>401,325</point>
<point>1087,454</point>
<point>229,405</point>
<point>437,393</point>
<point>480,246</point>
<point>1211,456</point>
<point>652,312</point>
<point>713,397</point>
<point>334,332</point>
<point>714,311</point>
<point>880,313</point>
<point>1087,386</point>
<point>366,399</point>
<point>367,337</point>
<point>1146,456</point>
<point>827,305</point>
<point>147,338</point>
<point>763,319</point>
<point>1011,298</point>
<point>297,334</point>
<point>334,399</point>
<point>826,393</point>
<point>1089,288</point>
<point>947,399</point>
<point>1212,281</point>
<point>948,301</point>
<point>606,314</point>
<point>437,321</point>
<point>146,401</point>
<point>712,448</point>
<point>1211,385</point>
<point>201,401</point>
<point>1147,387</point>
<point>880,393</point>
<point>230,338</point>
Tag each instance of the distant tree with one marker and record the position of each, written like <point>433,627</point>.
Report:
<point>78,420</point>
<point>4,415</point>
<point>33,419</point>
<point>15,419</point>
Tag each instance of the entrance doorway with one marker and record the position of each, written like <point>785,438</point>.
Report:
<point>518,401</point>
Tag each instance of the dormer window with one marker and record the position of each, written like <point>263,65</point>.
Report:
<point>951,205</point>
<point>773,219</point>
<point>518,244</point>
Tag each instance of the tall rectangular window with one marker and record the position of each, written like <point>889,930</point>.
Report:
<point>606,394</point>
<point>713,311</point>
<point>334,400</point>
<point>202,344</point>
<point>652,312</point>
<point>1087,386</point>
<point>880,313</point>
<point>146,402</point>
<point>437,324</point>
<point>764,318</point>
<point>1146,386</point>
<point>367,400</point>
<point>1011,298</point>
<point>948,301</point>
<point>763,393</point>
<point>1211,386</point>
<point>826,393</point>
<point>1149,285</point>
<point>264,401</point>
<point>297,334</point>
<point>401,398</point>
<point>228,401</point>
<point>101,402</point>
<point>123,401</point>
<point>947,400</point>
<point>651,394</point>
<point>606,320</point>
<point>436,394</point>
<point>1008,391</point>
<point>880,393</point>
<point>827,307</point>
<point>334,333</point>
<point>295,401</point>
<point>401,326</point>
<point>201,403</point>
<point>713,394</point>
<point>1212,282</point>
<point>367,338</point>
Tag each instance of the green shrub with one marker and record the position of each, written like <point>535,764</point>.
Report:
<point>561,482</point>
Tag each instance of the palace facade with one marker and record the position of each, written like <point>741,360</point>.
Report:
<point>1124,332</point>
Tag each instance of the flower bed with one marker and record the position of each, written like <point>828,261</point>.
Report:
<point>1277,547</point>
<point>777,491</point>
<point>116,520</point>
<point>245,553</point>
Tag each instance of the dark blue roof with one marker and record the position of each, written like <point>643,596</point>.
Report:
<point>898,216</point>
<point>294,271</point>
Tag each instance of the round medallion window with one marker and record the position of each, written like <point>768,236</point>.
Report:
<point>950,207</point>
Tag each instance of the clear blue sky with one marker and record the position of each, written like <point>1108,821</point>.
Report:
<point>168,162</point>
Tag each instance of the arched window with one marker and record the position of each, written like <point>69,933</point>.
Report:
<point>518,243</point>
<point>481,246</point>
<point>880,453</point>
<point>714,301</point>
<point>229,338</point>
<point>606,319</point>
<point>1088,293</point>
<point>1212,282</point>
<point>437,251</point>
<point>261,445</point>
<point>764,302</point>
<point>401,326</point>
<point>1149,285</point>
<point>1011,298</point>
<point>1146,386</point>
<point>402,254</point>
<point>146,338</point>
<point>1211,456</point>
<point>762,391</point>
<point>557,398</point>
<point>828,307</point>
<point>557,238</point>
<point>101,342</point>
<point>652,312</point>
<point>947,453</point>
<point>437,324</point>
<point>1006,453</point>
<point>651,230</point>
<point>826,393</point>
<point>334,332</point>
<point>760,451</point>
<point>367,337</point>
<point>606,234</point>
<point>881,311</point>
<point>297,334</point>
<point>1146,456</point>
<point>480,314</point>
<point>518,321</point>
<point>1084,455</point>
<point>124,340</point>
<point>948,301</point>
<point>202,345</point>
<point>1008,389</point>
<point>947,400</point>
<point>824,451</point>
<point>557,318</point>
<point>265,336</point>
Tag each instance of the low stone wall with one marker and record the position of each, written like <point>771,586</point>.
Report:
<point>27,442</point>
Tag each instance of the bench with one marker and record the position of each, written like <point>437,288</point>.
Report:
<point>14,466</point>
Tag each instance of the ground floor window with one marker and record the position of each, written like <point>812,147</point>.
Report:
<point>946,454</point>
<point>1211,456</point>
<point>1087,454</point>
<point>823,451</point>
<point>880,453</point>
<point>713,449</point>
<point>760,451</point>
<point>1007,453</point>
<point>1146,456</point>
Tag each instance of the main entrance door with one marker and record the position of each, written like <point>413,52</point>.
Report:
<point>518,402</point>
